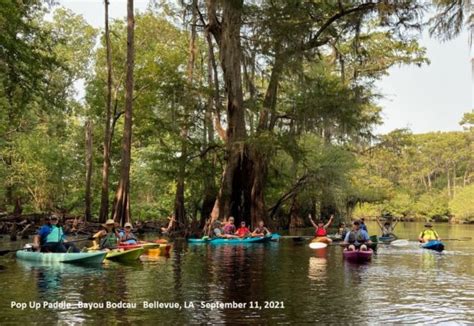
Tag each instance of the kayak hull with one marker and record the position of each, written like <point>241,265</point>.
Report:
<point>125,255</point>
<point>145,245</point>
<point>163,250</point>
<point>325,240</point>
<point>433,245</point>
<point>69,258</point>
<point>358,255</point>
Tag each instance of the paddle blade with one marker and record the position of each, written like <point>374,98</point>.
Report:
<point>317,245</point>
<point>400,243</point>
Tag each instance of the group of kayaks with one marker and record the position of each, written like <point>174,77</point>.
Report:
<point>123,253</point>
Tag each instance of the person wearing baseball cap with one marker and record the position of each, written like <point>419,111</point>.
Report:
<point>126,234</point>
<point>50,237</point>
<point>428,234</point>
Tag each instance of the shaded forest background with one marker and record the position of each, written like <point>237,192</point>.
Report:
<point>267,106</point>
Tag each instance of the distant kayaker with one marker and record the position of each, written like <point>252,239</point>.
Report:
<point>127,236</point>
<point>321,229</point>
<point>261,230</point>
<point>243,231</point>
<point>341,231</point>
<point>387,228</point>
<point>428,234</point>
<point>109,237</point>
<point>218,231</point>
<point>357,238</point>
<point>50,238</point>
<point>229,228</point>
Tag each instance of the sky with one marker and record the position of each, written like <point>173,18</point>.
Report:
<point>429,98</point>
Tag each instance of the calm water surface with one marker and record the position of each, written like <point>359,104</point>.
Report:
<point>400,285</point>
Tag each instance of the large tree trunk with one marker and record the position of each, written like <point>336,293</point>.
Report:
<point>104,198</point>
<point>88,129</point>
<point>122,197</point>
<point>233,197</point>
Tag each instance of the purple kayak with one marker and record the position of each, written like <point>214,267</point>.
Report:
<point>357,255</point>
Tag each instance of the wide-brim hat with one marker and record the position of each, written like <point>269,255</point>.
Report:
<point>109,222</point>
<point>428,225</point>
<point>127,225</point>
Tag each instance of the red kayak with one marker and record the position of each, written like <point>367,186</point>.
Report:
<point>358,255</point>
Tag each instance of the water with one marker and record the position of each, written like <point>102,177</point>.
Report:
<point>400,285</point>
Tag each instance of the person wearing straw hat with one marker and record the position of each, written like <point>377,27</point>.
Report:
<point>127,236</point>
<point>108,237</point>
<point>428,234</point>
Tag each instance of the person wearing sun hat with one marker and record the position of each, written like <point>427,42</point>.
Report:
<point>126,234</point>
<point>50,237</point>
<point>428,234</point>
<point>108,237</point>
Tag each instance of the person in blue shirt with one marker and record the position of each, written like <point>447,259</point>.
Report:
<point>357,238</point>
<point>50,238</point>
<point>127,236</point>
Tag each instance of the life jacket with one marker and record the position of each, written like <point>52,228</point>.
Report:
<point>321,232</point>
<point>229,229</point>
<point>54,235</point>
<point>109,241</point>
<point>356,236</point>
<point>429,234</point>
<point>127,237</point>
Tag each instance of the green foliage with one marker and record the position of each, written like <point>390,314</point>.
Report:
<point>462,206</point>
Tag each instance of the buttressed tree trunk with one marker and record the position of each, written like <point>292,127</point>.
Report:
<point>88,127</point>
<point>122,196</point>
<point>104,198</point>
<point>238,190</point>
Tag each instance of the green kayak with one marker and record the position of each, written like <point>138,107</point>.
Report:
<point>121,255</point>
<point>53,257</point>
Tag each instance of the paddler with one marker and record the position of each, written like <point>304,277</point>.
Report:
<point>261,230</point>
<point>341,231</point>
<point>243,231</point>
<point>218,231</point>
<point>229,228</point>
<point>428,234</point>
<point>357,238</point>
<point>108,237</point>
<point>50,238</point>
<point>127,236</point>
<point>321,229</point>
<point>387,228</point>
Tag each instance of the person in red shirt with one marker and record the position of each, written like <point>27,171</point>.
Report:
<point>321,230</point>
<point>243,231</point>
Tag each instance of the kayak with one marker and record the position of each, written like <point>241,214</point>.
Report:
<point>163,250</point>
<point>433,245</point>
<point>357,255</point>
<point>230,241</point>
<point>275,237</point>
<point>325,240</point>
<point>387,239</point>
<point>145,245</point>
<point>69,257</point>
<point>122,255</point>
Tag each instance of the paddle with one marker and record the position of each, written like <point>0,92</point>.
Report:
<point>317,245</point>
<point>4,252</point>
<point>399,243</point>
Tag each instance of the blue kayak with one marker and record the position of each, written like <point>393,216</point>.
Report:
<point>433,245</point>
<point>232,241</point>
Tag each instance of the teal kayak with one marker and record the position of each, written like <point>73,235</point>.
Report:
<point>54,257</point>
<point>387,239</point>
<point>433,245</point>
<point>230,241</point>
